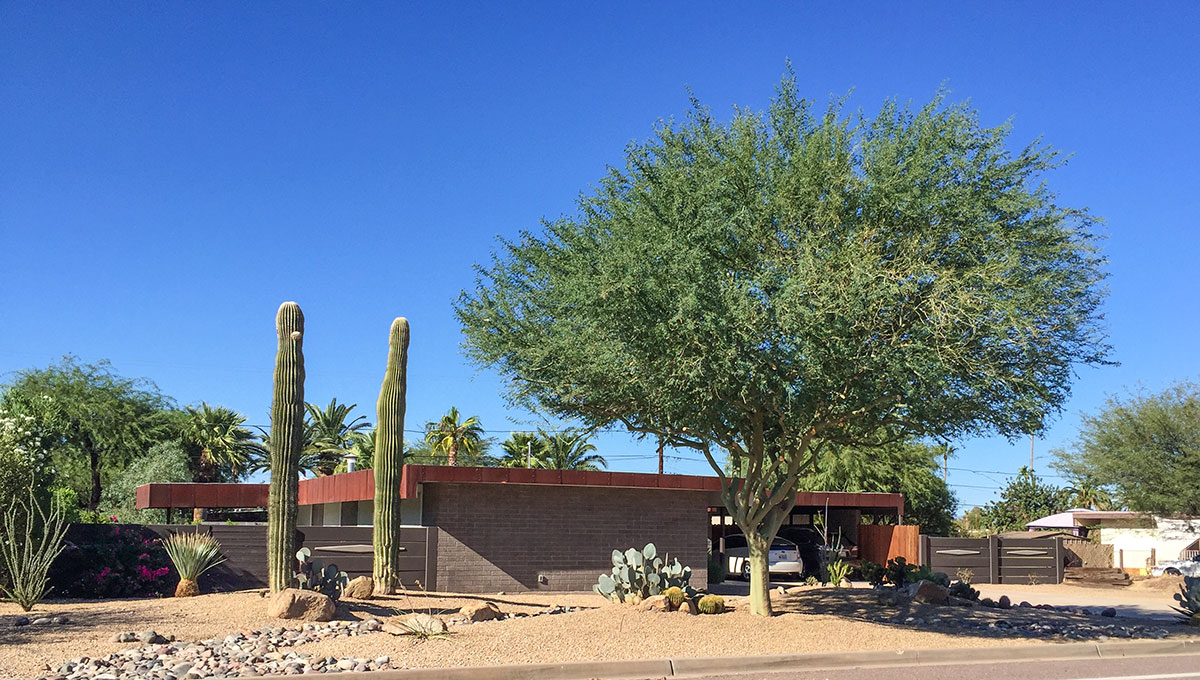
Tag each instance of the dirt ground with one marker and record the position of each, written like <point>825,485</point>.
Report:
<point>600,631</point>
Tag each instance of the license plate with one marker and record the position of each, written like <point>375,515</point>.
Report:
<point>778,555</point>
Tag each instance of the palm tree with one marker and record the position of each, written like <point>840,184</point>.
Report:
<point>363,449</point>
<point>523,449</point>
<point>332,433</point>
<point>309,456</point>
<point>1084,492</point>
<point>227,449</point>
<point>570,450</point>
<point>449,436</point>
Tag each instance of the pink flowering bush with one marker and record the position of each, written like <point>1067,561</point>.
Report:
<point>112,560</point>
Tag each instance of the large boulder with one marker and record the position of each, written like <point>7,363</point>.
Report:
<point>929,592</point>
<point>485,611</point>
<point>304,605</point>
<point>415,624</point>
<point>361,588</point>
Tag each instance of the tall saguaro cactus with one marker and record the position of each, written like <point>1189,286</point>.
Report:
<point>389,457</point>
<point>287,440</point>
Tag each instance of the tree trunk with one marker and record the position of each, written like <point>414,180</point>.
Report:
<point>760,576</point>
<point>452,454</point>
<point>94,459</point>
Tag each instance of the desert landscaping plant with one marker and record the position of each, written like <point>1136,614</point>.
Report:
<point>638,574</point>
<point>192,553</point>
<point>1188,598</point>
<point>964,590</point>
<point>836,572</point>
<point>711,604</point>
<point>965,575</point>
<point>287,442</point>
<point>389,459</point>
<point>316,576</point>
<point>872,572</point>
<point>32,538</point>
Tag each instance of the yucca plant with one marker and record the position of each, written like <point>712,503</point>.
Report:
<point>28,546</point>
<point>192,554</point>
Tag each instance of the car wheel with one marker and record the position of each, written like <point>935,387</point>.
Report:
<point>1171,571</point>
<point>746,569</point>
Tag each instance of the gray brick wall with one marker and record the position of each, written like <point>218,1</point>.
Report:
<point>502,537</point>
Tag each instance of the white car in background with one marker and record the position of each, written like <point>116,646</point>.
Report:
<point>783,558</point>
<point>1178,568</point>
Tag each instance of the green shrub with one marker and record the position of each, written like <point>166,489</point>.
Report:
<point>31,539</point>
<point>711,604</point>
<point>964,590</point>
<point>872,572</point>
<point>164,462</point>
<point>812,581</point>
<point>900,572</point>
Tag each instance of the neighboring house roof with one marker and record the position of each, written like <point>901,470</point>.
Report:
<point>1082,517</point>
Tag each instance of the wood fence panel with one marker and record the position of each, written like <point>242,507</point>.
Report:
<point>950,555</point>
<point>1084,553</point>
<point>882,542</point>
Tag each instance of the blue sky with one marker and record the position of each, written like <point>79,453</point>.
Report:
<point>171,172</point>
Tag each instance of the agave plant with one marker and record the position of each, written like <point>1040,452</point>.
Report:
<point>1188,598</point>
<point>192,554</point>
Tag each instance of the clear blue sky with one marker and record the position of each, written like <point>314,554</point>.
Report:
<point>171,172</point>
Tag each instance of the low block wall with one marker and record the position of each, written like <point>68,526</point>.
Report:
<point>505,537</point>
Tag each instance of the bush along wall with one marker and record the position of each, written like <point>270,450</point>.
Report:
<point>111,560</point>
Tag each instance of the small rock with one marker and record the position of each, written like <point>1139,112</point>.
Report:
<point>21,621</point>
<point>927,591</point>
<point>1109,612</point>
<point>687,608</point>
<point>60,620</point>
<point>988,602</point>
<point>181,670</point>
<point>150,637</point>
<point>43,621</point>
<point>346,664</point>
<point>656,603</point>
<point>1004,602</point>
<point>1025,605</point>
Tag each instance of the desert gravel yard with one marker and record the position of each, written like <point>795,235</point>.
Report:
<point>583,627</point>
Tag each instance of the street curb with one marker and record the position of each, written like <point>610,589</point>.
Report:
<point>702,666</point>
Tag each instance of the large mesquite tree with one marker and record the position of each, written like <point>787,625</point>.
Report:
<point>790,280</point>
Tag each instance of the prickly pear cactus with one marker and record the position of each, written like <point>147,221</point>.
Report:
<point>638,574</point>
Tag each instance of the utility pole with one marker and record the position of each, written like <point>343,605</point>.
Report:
<point>1031,453</point>
<point>529,454</point>
<point>660,455</point>
<point>946,462</point>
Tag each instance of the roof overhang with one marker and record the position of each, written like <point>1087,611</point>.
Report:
<point>360,486</point>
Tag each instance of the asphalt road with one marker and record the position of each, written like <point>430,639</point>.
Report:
<point>1167,667</point>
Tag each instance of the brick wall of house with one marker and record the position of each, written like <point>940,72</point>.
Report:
<point>502,537</point>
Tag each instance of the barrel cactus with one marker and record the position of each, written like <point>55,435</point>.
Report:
<point>711,604</point>
<point>389,458</point>
<point>675,595</point>
<point>287,441</point>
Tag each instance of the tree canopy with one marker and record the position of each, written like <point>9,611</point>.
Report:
<point>908,467</point>
<point>1145,448</point>
<point>92,420</point>
<point>1024,499</point>
<point>793,279</point>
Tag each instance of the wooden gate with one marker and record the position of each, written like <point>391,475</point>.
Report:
<point>995,559</point>
<point>882,542</point>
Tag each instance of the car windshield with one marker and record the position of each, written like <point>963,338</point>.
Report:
<point>783,544</point>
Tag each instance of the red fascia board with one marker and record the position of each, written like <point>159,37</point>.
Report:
<point>360,485</point>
